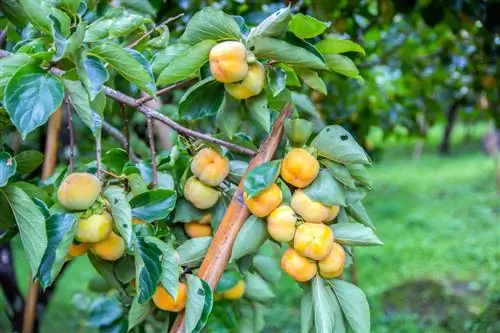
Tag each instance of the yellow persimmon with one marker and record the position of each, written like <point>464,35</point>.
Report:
<point>210,167</point>
<point>235,292</point>
<point>251,85</point>
<point>228,61</point>
<point>299,168</point>
<point>205,219</point>
<point>195,229</point>
<point>333,265</point>
<point>267,201</point>
<point>333,211</point>
<point>165,302</point>
<point>281,224</point>
<point>95,228</point>
<point>300,268</point>
<point>310,210</point>
<point>313,240</point>
<point>79,191</point>
<point>200,195</point>
<point>77,250</point>
<point>111,248</point>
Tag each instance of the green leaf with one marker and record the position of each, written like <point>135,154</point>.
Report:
<point>306,313</point>
<point>292,80</point>
<point>98,30</point>
<point>341,64</point>
<point>228,117</point>
<point>8,166</point>
<point>61,229</point>
<point>360,174</point>
<point>163,58</point>
<point>125,25</point>
<point>153,205</point>
<point>28,161</point>
<point>340,172</point>
<point>210,23</point>
<point>276,49</point>
<point>185,212</point>
<point>186,64</point>
<point>276,79</point>
<point>124,63</point>
<point>121,211</point>
<point>148,269</point>
<point>106,270</point>
<point>80,100</point>
<point>323,319</point>
<point>162,40</point>
<point>269,268</point>
<point>151,88</point>
<point>70,5</point>
<point>305,26</point>
<point>38,13</point>
<point>359,213</point>
<point>199,304</point>
<point>92,73</point>
<point>218,211</point>
<point>34,191</point>
<point>114,160</point>
<point>103,311</point>
<point>60,40</point>
<point>338,145</point>
<point>335,46</point>
<point>236,170</point>
<point>192,251</point>
<point>351,196</point>
<point>31,97</point>
<point>338,322</point>
<point>14,13</point>
<point>138,312</point>
<point>355,234</point>
<point>313,80</point>
<point>137,184</point>
<point>31,224</point>
<point>194,104</point>
<point>285,192</point>
<point>275,25</point>
<point>169,266</point>
<point>326,190</point>
<point>304,104</point>
<point>261,177</point>
<point>9,65</point>
<point>228,280</point>
<point>250,238</point>
<point>259,110</point>
<point>257,289</point>
<point>353,302</point>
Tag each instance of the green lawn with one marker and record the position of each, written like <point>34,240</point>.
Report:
<point>438,217</point>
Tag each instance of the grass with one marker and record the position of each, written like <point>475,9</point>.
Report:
<point>438,217</point>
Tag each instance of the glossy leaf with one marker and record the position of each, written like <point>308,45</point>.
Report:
<point>354,304</point>
<point>8,166</point>
<point>275,25</point>
<point>360,174</point>
<point>228,280</point>
<point>267,267</point>
<point>312,80</point>
<point>125,25</point>
<point>306,313</point>
<point>334,46</point>
<point>192,251</point>
<point>305,26</point>
<point>186,64</point>
<point>259,110</point>
<point>92,73</point>
<point>199,304</point>
<point>38,13</point>
<point>185,212</point>
<point>31,97</point>
<point>261,177</point>
<point>9,65</point>
<point>103,311</point>
<point>28,161</point>
<point>194,104</point>
<point>106,270</point>
<point>34,192</point>
<point>61,229</point>
<point>355,234</point>
<point>276,80</point>
<point>341,64</point>
<point>31,224</point>
<point>358,212</point>
<point>138,312</point>
<point>323,319</point>
<point>210,23</point>
<point>121,211</point>
<point>151,88</point>
<point>148,269</point>
<point>338,145</point>
<point>162,40</point>
<point>257,289</point>
<point>340,172</point>
<point>153,205</point>
<point>250,238</point>
<point>114,160</point>
<point>163,58</point>
<point>326,190</point>
<point>169,265</point>
<point>228,117</point>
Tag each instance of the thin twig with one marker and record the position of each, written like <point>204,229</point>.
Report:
<point>163,91</point>
<point>71,137</point>
<point>114,132</point>
<point>134,44</point>
<point>121,97</point>
<point>126,129</point>
<point>109,173</point>
<point>98,150</point>
<point>151,140</point>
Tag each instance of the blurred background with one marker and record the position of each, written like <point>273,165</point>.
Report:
<point>428,113</point>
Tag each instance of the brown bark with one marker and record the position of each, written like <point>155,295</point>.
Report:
<point>220,250</point>
<point>444,147</point>
<point>49,164</point>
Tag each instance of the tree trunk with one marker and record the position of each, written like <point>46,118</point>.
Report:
<point>444,147</point>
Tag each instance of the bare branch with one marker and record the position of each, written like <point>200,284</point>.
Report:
<point>164,91</point>
<point>134,44</point>
<point>151,141</point>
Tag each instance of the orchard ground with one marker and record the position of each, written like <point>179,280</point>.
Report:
<point>439,219</point>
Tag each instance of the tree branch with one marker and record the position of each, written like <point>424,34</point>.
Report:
<point>115,133</point>
<point>152,148</point>
<point>163,91</point>
<point>134,44</point>
<point>122,98</point>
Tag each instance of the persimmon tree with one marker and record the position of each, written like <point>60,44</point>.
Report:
<point>176,234</point>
